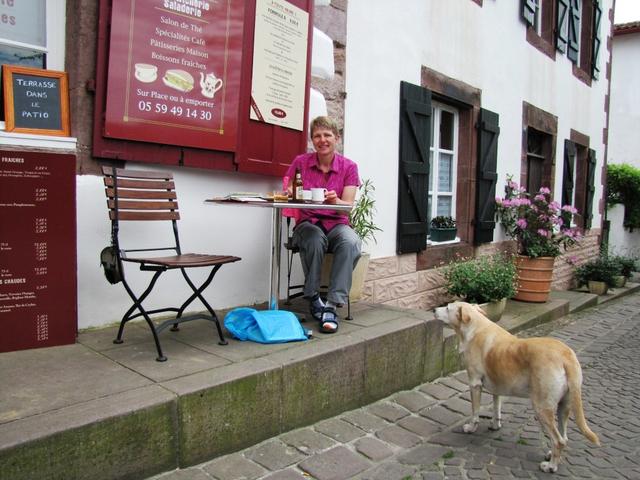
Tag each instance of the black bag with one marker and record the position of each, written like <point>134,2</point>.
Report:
<point>109,261</point>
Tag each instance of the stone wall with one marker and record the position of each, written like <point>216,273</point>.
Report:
<point>396,280</point>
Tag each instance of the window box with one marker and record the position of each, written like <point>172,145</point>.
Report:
<point>442,234</point>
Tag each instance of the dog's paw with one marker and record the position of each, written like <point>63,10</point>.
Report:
<point>548,467</point>
<point>469,427</point>
<point>495,427</point>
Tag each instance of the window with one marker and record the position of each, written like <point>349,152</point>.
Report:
<point>578,34</point>
<point>32,34</point>
<point>537,158</point>
<point>539,15</point>
<point>538,155</point>
<point>443,157</point>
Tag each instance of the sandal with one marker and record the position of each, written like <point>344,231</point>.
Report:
<point>329,321</point>
<point>316,311</point>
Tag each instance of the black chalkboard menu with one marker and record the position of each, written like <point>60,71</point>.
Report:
<point>35,100</point>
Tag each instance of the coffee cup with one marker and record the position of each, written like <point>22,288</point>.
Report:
<point>317,194</point>
<point>306,195</point>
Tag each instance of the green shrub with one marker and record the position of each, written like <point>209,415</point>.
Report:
<point>623,186</point>
<point>626,264</point>
<point>602,269</point>
<point>442,221</point>
<point>481,280</point>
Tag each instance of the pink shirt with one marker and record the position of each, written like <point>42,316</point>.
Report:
<point>343,173</point>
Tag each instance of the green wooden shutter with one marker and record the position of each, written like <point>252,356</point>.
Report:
<point>413,175</point>
<point>562,25</point>
<point>596,41</point>
<point>570,153</point>
<point>574,30</point>
<point>487,176</point>
<point>591,188</point>
<point>529,11</point>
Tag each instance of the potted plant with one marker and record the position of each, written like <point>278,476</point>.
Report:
<point>443,229</point>
<point>598,274</point>
<point>487,281</point>
<point>361,219</point>
<point>541,228</point>
<point>626,265</point>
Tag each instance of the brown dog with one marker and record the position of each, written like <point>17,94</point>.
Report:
<point>543,369</point>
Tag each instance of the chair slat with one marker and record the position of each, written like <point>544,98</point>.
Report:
<point>142,194</point>
<point>127,215</point>
<point>144,184</point>
<point>125,173</point>
<point>138,205</point>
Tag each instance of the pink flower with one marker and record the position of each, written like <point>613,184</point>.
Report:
<point>545,190</point>
<point>521,223</point>
<point>569,209</point>
<point>539,198</point>
<point>543,233</point>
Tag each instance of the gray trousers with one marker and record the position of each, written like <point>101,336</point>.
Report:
<point>313,243</point>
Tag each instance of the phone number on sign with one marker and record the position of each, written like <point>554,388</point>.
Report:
<point>175,110</point>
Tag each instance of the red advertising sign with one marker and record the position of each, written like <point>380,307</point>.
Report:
<point>174,72</point>
<point>37,250</point>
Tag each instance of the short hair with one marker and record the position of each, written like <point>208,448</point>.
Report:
<point>323,122</point>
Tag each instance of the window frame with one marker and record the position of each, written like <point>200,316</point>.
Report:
<point>541,34</point>
<point>437,108</point>
<point>54,50</point>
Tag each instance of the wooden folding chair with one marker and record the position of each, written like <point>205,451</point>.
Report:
<point>143,196</point>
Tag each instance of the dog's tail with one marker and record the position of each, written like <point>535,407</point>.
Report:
<point>574,376</point>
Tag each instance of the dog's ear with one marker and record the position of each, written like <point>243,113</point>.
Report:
<point>464,313</point>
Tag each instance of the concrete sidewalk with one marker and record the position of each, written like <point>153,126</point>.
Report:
<point>99,410</point>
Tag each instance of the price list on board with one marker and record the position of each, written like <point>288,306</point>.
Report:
<point>37,250</point>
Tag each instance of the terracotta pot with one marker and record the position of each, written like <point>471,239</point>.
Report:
<point>598,288</point>
<point>494,310</point>
<point>534,278</point>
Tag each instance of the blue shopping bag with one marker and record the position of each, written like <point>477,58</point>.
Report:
<point>264,326</point>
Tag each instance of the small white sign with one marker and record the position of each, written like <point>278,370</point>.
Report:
<point>279,64</point>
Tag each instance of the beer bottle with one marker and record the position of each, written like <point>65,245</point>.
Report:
<point>297,187</point>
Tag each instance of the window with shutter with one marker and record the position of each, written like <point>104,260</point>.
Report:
<point>413,173</point>
<point>540,33</point>
<point>530,11</point>
<point>487,176</point>
<point>568,178</point>
<point>591,188</point>
<point>574,30</point>
<point>538,156</point>
<point>562,25</point>
<point>595,49</point>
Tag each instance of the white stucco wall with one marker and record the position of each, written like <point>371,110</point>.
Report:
<point>483,47</point>
<point>204,228</point>
<point>624,125</point>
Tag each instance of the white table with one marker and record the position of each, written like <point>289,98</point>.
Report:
<point>276,237</point>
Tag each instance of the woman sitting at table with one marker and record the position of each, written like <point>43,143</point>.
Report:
<point>320,231</point>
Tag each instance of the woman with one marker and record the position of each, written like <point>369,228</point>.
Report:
<point>320,231</point>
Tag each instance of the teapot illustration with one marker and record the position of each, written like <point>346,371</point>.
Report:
<point>209,85</point>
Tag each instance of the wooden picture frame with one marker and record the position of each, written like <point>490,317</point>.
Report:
<point>36,101</point>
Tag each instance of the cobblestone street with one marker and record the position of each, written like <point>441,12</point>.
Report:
<point>417,435</point>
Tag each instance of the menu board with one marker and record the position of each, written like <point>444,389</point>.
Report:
<point>37,250</point>
<point>174,72</point>
<point>279,64</point>
<point>36,100</point>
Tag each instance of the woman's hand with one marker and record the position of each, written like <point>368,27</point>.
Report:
<point>331,197</point>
